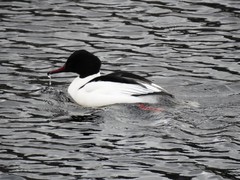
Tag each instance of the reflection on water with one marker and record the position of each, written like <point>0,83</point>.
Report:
<point>189,48</point>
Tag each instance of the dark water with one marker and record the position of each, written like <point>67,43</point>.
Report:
<point>191,48</point>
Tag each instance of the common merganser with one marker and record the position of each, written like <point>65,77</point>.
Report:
<point>90,89</point>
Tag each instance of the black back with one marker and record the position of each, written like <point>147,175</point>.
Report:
<point>122,77</point>
<point>129,78</point>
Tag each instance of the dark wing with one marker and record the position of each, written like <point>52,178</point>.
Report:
<point>122,77</point>
<point>129,78</point>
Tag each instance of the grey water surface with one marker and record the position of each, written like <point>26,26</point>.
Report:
<point>191,48</point>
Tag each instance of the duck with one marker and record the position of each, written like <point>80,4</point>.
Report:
<point>92,89</point>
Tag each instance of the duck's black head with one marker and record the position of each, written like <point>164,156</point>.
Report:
<point>81,62</point>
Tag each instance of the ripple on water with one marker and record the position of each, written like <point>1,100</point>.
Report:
<point>190,48</point>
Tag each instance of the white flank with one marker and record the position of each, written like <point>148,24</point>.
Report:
<point>103,93</point>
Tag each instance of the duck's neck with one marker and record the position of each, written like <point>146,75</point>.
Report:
<point>78,82</point>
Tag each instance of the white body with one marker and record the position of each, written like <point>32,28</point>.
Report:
<point>103,93</point>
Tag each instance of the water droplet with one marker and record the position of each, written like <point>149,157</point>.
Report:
<point>50,80</point>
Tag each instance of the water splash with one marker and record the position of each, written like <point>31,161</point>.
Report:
<point>50,80</point>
